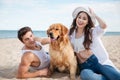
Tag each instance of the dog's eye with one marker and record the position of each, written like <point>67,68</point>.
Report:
<point>56,29</point>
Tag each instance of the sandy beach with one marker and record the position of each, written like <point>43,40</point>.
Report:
<point>10,55</point>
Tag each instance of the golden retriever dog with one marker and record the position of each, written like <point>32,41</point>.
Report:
<point>61,51</point>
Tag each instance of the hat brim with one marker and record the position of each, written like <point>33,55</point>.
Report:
<point>79,9</point>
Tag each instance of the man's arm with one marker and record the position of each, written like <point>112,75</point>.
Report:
<point>43,41</point>
<point>24,67</point>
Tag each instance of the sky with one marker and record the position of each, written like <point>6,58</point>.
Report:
<point>40,14</point>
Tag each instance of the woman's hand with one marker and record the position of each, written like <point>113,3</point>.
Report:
<point>92,12</point>
<point>83,55</point>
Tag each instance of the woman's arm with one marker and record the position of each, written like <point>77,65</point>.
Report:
<point>100,21</point>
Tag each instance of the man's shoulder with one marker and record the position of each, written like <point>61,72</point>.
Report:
<point>27,58</point>
<point>28,55</point>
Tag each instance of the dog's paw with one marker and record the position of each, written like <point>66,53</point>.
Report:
<point>49,74</point>
<point>72,77</point>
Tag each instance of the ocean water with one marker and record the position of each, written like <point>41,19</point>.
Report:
<point>13,33</point>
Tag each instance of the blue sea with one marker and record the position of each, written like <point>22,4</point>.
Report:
<point>13,33</point>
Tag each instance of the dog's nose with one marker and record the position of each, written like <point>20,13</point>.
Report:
<point>51,34</point>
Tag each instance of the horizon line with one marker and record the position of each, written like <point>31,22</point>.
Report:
<point>44,30</point>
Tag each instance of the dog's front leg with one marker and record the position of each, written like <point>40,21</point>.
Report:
<point>73,68</point>
<point>72,73</point>
<point>51,69</point>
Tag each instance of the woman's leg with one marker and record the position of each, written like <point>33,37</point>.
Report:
<point>87,74</point>
<point>109,72</point>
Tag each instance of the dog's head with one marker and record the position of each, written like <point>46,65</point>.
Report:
<point>57,31</point>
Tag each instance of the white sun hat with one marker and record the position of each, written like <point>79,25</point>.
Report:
<point>79,9</point>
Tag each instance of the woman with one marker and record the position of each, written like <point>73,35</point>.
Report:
<point>93,60</point>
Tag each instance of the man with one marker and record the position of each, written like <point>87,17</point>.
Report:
<point>33,56</point>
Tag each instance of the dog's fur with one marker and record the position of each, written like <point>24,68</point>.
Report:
<point>61,51</point>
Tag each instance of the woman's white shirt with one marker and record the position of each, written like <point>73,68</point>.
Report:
<point>96,47</point>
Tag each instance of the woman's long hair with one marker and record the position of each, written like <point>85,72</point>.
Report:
<point>87,31</point>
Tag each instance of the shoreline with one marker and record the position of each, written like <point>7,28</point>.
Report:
<point>4,34</point>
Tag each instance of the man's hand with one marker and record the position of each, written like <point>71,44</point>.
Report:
<point>43,72</point>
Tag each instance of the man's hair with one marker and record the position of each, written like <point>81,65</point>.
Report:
<point>22,32</point>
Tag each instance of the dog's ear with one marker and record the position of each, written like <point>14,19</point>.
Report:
<point>48,32</point>
<point>64,30</point>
